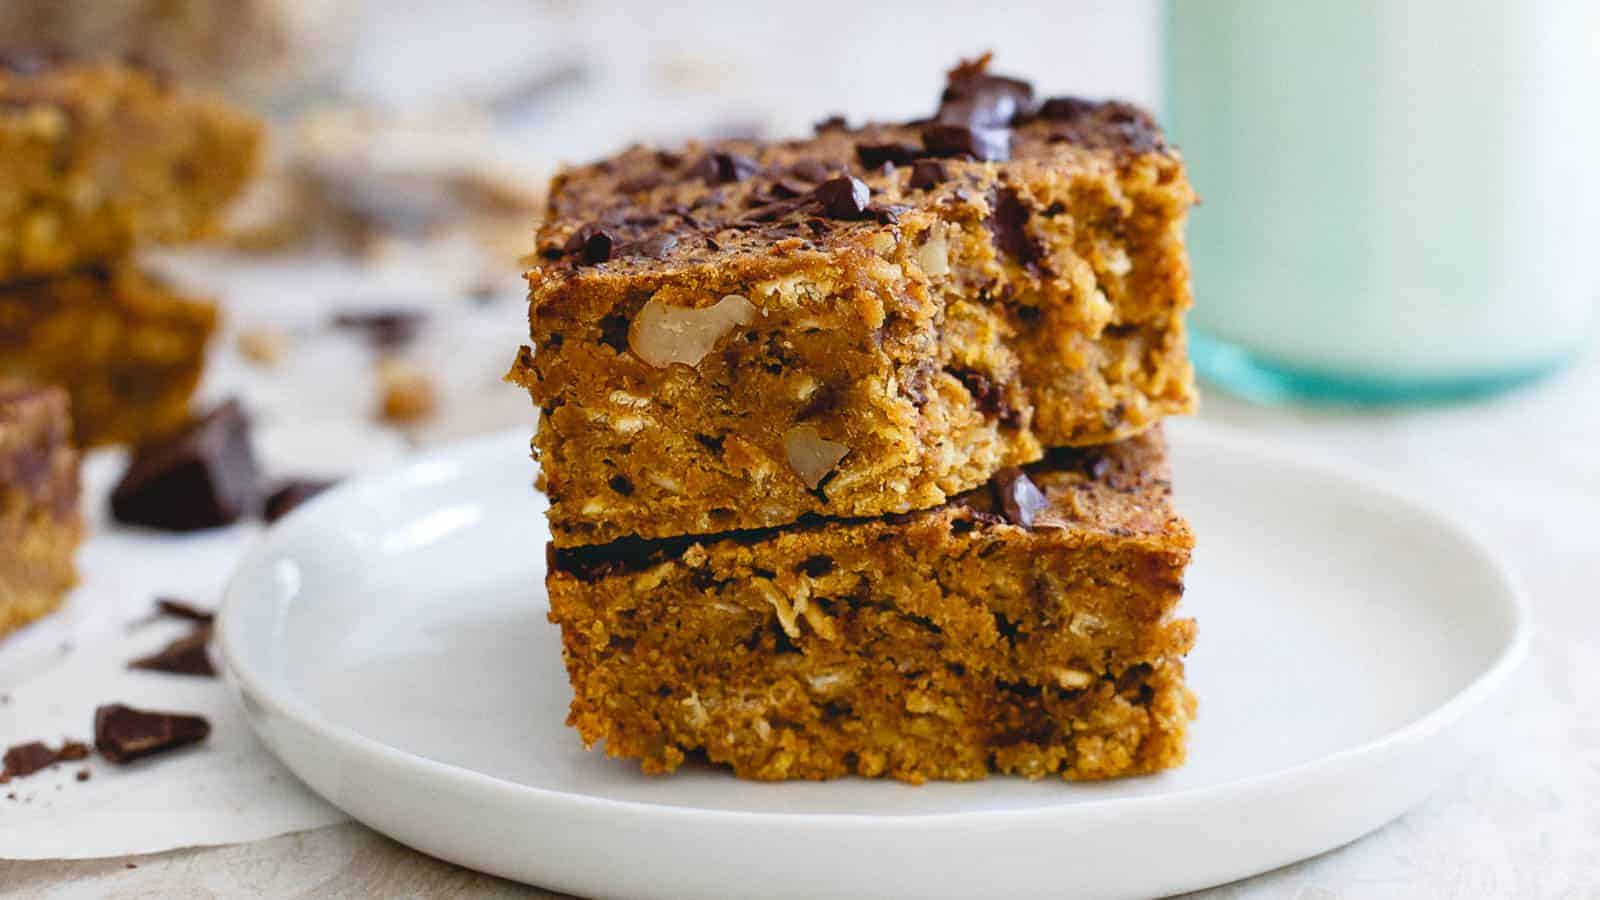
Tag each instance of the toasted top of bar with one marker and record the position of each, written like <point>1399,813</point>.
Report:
<point>650,210</point>
<point>1075,495</point>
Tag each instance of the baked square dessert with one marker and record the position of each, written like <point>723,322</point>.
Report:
<point>1025,627</point>
<point>40,524</point>
<point>98,156</point>
<point>865,322</point>
<point>125,345</point>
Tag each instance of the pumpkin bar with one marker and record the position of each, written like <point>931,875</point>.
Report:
<point>126,346</point>
<point>1025,627</point>
<point>868,321</point>
<point>98,156</point>
<point>40,525</point>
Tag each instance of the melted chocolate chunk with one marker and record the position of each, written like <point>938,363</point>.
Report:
<point>656,246</point>
<point>980,100</point>
<point>203,477</point>
<point>185,656</point>
<point>844,197</point>
<point>982,144</point>
<point>25,759</point>
<point>927,174</point>
<point>287,495</point>
<point>123,734</point>
<point>723,168</point>
<point>1018,497</point>
<point>386,329</point>
<point>1009,222</point>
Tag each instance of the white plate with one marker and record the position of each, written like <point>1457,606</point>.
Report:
<point>389,643</point>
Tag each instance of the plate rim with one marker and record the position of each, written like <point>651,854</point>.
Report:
<point>1513,652</point>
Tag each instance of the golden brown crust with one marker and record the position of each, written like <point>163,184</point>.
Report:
<point>952,326</point>
<point>940,644</point>
<point>127,348</point>
<point>96,157</point>
<point>40,524</point>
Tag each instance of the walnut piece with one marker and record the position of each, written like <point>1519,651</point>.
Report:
<point>811,455</point>
<point>662,335</point>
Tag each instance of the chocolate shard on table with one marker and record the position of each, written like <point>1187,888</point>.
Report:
<point>287,495</point>
<point>187,655</point>
<point>1028,627</point>
<point>22,760</point>
<point>865,322</point>
<point>204,476</point>
<point>98,156</point>
<point>123,734</point>
<point>41,525</point>
<point>127,347</point>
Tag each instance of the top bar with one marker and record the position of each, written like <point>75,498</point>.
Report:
<point>865,322</point>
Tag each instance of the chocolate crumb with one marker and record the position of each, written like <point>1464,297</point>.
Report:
<point>1018,497</point>
<point>25,759</point>
<point>185,656</point>
<point>290,493</point>
<point>844,197</point>
<point>834,122</point>
<point>203,477</point>
<point>123,734</point>
<point>84,775</point>
<point>386,329</point>
<point>183,609</point>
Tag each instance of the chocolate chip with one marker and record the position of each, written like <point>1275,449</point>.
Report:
<point>927,174</point>
<point>1009,222</point>
<point>817,566</point>
<point>203,477</point>
<point>722,168</point>
<point>182,609</point>
<point>888,213</point>
<point>874,155</point>
<point>831,123</point>
<point>1018,497</point>
<point>1066,109</point>
<point>844,197</point>
<point>123,734</point>
<point>656,246</point>
<point>990,397</point>
<point>983,144</point>
<point>185,656</point>
<point>621,485</point>
<point>386,329</point>
<point>592,244</point>
<point>25,759</point>
<point>288,494</point>
<point>811,170</point>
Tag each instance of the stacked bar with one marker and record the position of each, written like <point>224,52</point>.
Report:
<point>851,447</point>
<point>40,525</point>
<point>97,159</point>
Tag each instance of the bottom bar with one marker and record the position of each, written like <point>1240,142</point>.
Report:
<point>1026,627</point>
<point>40,525</point>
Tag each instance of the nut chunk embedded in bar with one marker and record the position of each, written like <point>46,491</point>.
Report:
<point>40,525</point>
<point>127,348</point>
<point>97,156</point>
<point>864,322</point>
<point>1025,627</point>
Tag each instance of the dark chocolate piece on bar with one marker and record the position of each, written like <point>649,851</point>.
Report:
<point>185,656</point>
<point>287,495</point>
<point>722,168</point>
<point>873,155</point>
<point>982,144</point>
<point>203,477</point>
<point>123,734</point>
<point>844,197</point>
<point>1010,224</point>
<point>975,98</point>
<point>1018,497</point>
<point>387,329</point>
<point>927,174</point>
